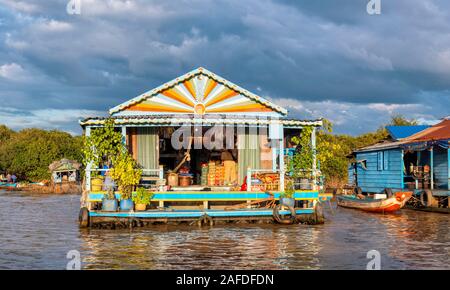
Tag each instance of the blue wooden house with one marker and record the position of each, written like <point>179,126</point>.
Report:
<point>415,158</point>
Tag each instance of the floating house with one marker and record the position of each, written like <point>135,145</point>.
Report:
<point>204,104</point>
<point>416,158</point>
<point>65,170</point>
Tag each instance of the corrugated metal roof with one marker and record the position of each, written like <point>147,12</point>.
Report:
<point>381,146</point>
<point>437,132</point>
<point>440,131</point>
<point>194,119</point>
<point>400,132</point>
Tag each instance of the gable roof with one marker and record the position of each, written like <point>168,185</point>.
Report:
<point>440,131</point>
<point>400,132</point>
<point>192,93</point>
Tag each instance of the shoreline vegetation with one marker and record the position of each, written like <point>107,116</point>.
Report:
<point>28,153</point>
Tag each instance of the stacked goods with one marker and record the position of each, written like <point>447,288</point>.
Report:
<point>271,181</point>
<point>204,175</point>
<point>219,175</point>
<point>211,173</point>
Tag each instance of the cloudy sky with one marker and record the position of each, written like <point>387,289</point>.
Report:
<point>316,58</point>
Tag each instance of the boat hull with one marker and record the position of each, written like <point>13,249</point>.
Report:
<point>394,203</point>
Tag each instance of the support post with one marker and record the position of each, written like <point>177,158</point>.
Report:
<point>124,135</point>
<point>417,164</point>
<point>431,168</point>
<point>448,172</point>
<point>205,204</point>
<point>282,169</point>
<point>89,165</point>
<point>249,179</point>
<point>314,163</point>
<point>161,177</point>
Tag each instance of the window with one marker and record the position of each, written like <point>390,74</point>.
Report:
<point>380,161</point>
<point>385,160</point>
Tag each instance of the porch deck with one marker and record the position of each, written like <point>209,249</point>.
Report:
<point>189,214</point>
<point>172,196</point>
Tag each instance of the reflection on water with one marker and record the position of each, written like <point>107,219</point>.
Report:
<point>37,231</point>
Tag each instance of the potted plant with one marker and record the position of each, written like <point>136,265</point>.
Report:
<point>142,198</point>
<point>99,147</point>
<point>109,201</point>
<point>287,197</point>
<point>127,175</point>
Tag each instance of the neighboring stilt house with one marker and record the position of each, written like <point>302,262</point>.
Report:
<point>419,161</point>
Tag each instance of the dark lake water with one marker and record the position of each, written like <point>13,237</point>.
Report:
<point>37,231</point>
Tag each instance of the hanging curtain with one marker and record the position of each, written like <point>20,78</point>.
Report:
<point>147,148</point>
<point>249,151</point>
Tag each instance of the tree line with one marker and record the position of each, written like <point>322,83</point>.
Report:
<point>29,152</point>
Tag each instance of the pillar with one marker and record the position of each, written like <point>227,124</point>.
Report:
<point>314,163</point>
<point>282,169</point>
<point>431,168</point>
<point>89,165</point>
<point>124,135</point>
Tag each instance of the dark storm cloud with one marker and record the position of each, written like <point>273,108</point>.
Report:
<point>318,58</point>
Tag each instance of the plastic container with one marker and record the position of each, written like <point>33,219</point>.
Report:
<point>126,205</point>
<point>172,179</point>
<point>109,205</point>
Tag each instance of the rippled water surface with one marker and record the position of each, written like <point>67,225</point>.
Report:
<point>37,231</point>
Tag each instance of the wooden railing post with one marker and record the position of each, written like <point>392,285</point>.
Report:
<point>249,179</point>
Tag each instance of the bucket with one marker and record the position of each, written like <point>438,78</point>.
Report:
<point>126,205</point>
<point>185,180</point>
<point>96,184</point>
<point>287,201</point>
<point>140,207</point>
<point>172,179</point>
<point>109,204</point>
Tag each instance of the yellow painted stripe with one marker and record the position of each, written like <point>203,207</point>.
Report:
<point>175,96</point>
<point>209,87</point>
<point>241,108</point>
<point>190,87</point>
<point>226,94</point>
<point>157,108</point>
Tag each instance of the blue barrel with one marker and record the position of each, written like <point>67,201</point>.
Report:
<point>126,205</point>
<point>287,201</point>
<point>109,204</point>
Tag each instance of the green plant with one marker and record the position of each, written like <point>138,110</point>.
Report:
<point>125,173</point>
<point>142,196</point>
<point>109,195</point>
<point>289,190</point>
<point>302,161</point>
<point>102,144</point>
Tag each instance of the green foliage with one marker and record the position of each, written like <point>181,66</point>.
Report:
<point>125,172</point>
<point>29,152</point>
<point>142,196</point>
<point>333,150</point>
<point>289,190</point>
<point>400,120</point>
<point>103,143</point>
<point>5,134</point>
<point>302,161</point>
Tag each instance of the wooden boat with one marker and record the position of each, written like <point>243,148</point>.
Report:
<point>7,185</point>
<point>393,203</point>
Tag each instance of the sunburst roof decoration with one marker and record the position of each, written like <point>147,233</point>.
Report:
<point>200,92</point>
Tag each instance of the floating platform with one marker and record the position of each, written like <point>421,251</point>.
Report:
<point>103,219</point>
<point>207,207</point>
